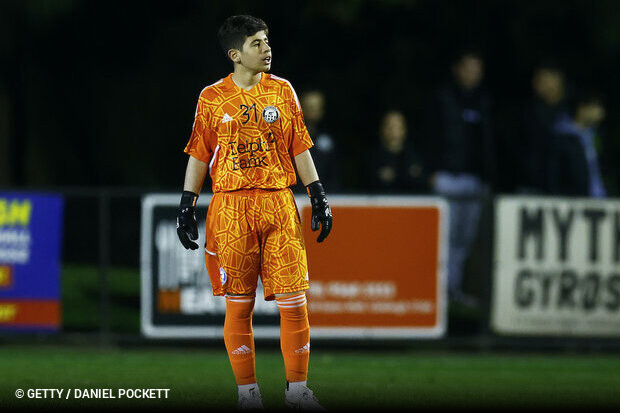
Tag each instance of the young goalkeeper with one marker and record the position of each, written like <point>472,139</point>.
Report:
<point>249,134</point>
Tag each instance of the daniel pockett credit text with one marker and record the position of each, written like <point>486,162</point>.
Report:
<point>69,394</point>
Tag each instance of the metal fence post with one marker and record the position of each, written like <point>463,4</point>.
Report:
<point>488,236</point>
<point>104,260</point>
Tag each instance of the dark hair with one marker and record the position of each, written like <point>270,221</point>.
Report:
<point>235,29</point>
<point>550,65</point>
<point>466,51</point>
<point>584,97</point>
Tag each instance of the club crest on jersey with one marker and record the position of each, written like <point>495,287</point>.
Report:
<point>223,276</point>
<point>271,114</point>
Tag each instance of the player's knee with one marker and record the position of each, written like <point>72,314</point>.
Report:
<point>239,307</point>
<point>293,306</point>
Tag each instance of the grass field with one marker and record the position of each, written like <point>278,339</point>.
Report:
<point>202,379</point>
<point>81,298</point>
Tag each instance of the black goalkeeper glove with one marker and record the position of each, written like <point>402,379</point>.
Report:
<point>187,227</point>
<point>321,214</point>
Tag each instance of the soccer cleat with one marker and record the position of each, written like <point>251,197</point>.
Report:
<point>252,400</point>
<point>302,399</point>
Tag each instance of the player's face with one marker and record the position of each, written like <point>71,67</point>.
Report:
<point>256,53</point>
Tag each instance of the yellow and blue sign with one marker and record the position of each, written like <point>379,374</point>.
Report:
<point>30,248</point>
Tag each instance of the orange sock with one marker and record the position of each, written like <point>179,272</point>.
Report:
<point>294,336</point>
<point>239,338</point>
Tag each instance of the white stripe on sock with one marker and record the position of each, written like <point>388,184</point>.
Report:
<point>299,300</point>
<point>292,297</point>
<point>240,300</point>
<point>291,306</point>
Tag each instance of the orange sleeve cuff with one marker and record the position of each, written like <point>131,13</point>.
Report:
<point>195,154</point>
<point>300,146</point>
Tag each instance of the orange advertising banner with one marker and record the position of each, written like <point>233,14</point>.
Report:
<point>29,313</point>
<point>380,273</point>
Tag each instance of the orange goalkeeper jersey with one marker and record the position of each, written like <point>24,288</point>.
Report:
<point>249,137</point>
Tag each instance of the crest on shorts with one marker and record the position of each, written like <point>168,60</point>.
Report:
<point>271,114</point>
<point>223,276</point>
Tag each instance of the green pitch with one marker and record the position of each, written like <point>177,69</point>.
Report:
<point>202,379</point>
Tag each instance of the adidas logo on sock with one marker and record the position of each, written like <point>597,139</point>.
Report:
<point>226,118</point>
<point>242,350</point>
<point>304,349</point>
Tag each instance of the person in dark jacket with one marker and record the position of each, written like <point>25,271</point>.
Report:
<point>462,155</point>
<point>575,167</point>
<point>460,133</point>
<point>394,166</point>
<point>539,119</point>
<point>325,149</point>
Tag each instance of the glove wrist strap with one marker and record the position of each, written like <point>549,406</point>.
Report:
<point>188,199</point>
<point>315,189</point>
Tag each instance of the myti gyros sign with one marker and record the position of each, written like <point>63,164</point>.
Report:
<point>556,267</point>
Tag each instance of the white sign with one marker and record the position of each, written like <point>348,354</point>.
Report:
<point>168,268</point>
<point>556,267</point>
<point>177,299</point>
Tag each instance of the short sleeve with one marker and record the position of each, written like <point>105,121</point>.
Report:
<point>301,138</point>
<point>200,144</point>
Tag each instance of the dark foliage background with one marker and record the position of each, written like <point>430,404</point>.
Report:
<point>102,93</point>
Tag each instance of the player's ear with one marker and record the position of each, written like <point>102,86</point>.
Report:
<point>233,54</point>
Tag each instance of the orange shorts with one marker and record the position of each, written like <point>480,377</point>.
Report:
<point>252,233</point>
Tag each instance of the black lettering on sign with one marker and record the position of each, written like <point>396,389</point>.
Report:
<point>524,294</point>
<point>563,225</point>
<point>613,286</point>
<point>594,217</point>
<point>590,290</point>
<point>546,281</point>
<point>568,285</point>
<point>531,227</point>
<point>617,237</point>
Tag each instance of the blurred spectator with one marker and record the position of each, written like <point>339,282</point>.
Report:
<point>324,152</point>
<point>574,165</point>
<point>540,116</point>
<point>461,150</point>
<point>394,166</point>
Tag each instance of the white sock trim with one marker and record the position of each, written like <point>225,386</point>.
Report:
<point>298,300</point>
<point>291,306</point>
<point>245,388</point>
<point>295,385</point>
<point>291,297</point>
